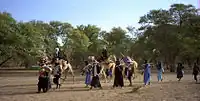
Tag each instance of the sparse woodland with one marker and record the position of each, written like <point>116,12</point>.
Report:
<point>171,35</point>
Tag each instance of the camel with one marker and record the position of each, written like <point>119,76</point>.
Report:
<point>106,65</point>
<point>64,64</point>
<point>67,68</point>
<point>133,64</point>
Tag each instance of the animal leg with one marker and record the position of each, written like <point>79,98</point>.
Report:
<point>105,77</point>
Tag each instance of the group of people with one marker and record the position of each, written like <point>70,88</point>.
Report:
<point>44,77</point>
<point>118,80</point>
<point>92,70</point>
<point>44,81</point>
<point>180,71</point>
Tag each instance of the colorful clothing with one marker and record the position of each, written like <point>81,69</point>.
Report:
<point>44,81</point>
<point>127,60</point>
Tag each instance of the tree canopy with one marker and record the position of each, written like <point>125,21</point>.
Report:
<point>171,35</point>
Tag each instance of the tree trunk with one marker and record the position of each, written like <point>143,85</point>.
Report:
<point>189,63</point>
<point>165,62</point>
<point>197,60</point>
<point>27,63</point>
<point>172,62</point>
<point>5,60</point>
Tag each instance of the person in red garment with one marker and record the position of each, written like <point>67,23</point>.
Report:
<point>44,80</point>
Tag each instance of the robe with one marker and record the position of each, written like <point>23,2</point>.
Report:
<point>118,81</point>
<point>88,75</point>
<point>57,74</point>
<point>95,75</point>
<point>160,70</point>
<point>147,74</point>
<point>179,72</point>
<point>195,71</point>
<point>44,80</point>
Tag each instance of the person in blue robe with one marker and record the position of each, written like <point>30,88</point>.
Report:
<point>160,71</point>
<point>88,73</point>
<point>147,73</point>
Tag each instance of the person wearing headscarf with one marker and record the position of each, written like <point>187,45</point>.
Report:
<point>147,73</point>
<point>179,71</point>
<point>196,71</point>
<point>160,70</point>
<point>95,74</point>
<point>118,80</point>
<point>127,62</point>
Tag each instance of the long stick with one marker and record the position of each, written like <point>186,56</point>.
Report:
<point>122,54</point>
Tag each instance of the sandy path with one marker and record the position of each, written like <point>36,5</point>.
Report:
<point>24,89</point>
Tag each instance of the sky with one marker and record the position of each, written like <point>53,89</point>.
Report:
<point>103,13</point>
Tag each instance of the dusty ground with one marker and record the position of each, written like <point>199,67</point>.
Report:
<point>18,88</point>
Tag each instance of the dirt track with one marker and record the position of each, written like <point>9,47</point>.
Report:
<point>24,89</point>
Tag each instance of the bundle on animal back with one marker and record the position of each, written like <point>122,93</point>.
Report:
<point>134,65</point>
